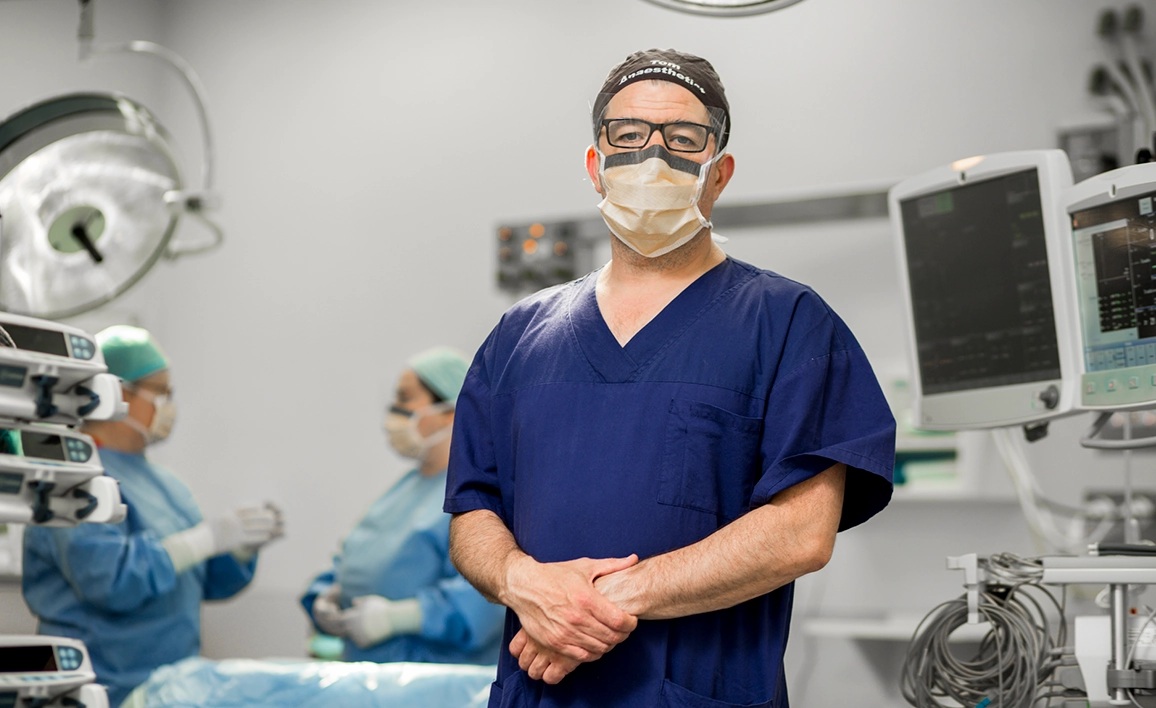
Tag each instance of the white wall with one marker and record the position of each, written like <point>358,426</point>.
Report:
<point>367,149</point>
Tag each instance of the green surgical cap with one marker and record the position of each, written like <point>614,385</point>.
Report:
<point>442,369</point>
<point>131,352</point>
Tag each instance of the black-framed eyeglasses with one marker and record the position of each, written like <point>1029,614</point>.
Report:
<point>634,134</point>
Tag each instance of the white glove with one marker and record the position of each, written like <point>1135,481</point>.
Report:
<point>247,528</point>
<point>242,532</point>
<point>327,611</point>
<point>373,619</point>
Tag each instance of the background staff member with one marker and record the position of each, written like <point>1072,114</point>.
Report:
<point>403,600</point>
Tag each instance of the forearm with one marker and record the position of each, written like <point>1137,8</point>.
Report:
<point>115,571</point>
<point>769,547</point>
<point>482,548</point>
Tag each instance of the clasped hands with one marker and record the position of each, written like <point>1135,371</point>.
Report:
<point>571,612</point>
<point>370,620</point>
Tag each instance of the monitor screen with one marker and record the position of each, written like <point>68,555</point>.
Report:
<point>24,660</point>
<point>37,340</point>
<point>981,296</point>
<point>1115,254</point>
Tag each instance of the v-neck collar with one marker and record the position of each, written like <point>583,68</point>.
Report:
<point>617,363</point>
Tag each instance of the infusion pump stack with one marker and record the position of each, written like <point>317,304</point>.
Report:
<point>52,379</point>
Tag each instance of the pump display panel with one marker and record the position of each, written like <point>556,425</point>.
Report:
<point>980,246</point>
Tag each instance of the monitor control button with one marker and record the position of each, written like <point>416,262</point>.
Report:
<point>1050,397</point>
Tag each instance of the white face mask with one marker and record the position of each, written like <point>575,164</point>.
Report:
<point>401,428</point>
<point>164,416</point>
<point>651,199</point>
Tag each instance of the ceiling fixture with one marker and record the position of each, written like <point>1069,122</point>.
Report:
<point>725,8</point>
<point>91,193</point>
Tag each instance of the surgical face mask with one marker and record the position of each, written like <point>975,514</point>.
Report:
<point>401,427</point>
<point>651,199</point>
<point>164,416</point>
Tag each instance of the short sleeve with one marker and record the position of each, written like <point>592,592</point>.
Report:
<point>472,477</point>
<point>827,408</point>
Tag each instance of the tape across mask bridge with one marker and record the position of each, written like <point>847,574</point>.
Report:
<point>637,157</point>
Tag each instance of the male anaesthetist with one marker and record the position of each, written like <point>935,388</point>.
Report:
<point>645,459</point>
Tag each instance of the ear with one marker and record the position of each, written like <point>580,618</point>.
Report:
<point>721,174</point>
<point>592,169</point>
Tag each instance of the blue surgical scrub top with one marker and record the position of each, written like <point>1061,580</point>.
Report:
<point>113,586</point>
<point>743,386</point>
<point>400,550</point>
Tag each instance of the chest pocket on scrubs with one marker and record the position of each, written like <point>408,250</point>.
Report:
<point>711,459</point>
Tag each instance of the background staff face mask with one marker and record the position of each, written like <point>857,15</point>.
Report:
<point>164,416</point>
<point>400,427</point>
<point>651,198</point>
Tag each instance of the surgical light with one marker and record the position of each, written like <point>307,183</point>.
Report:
<point>83,216</point>
<point>725,8</point>
<point>91,193</point>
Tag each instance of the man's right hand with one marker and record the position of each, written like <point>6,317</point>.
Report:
<point>540,663</point>
<point>560,609</point>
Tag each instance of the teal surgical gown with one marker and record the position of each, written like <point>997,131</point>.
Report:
<point>113,586</point>
<point>745,385</point>
<point>400,550</point>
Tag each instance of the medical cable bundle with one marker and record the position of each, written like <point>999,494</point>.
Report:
<point>1015,662</point>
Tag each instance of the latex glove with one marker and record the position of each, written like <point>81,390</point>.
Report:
<point>327,611</point>
<point>247,528</point>
<point>373,619</point>
<point>240,532</point>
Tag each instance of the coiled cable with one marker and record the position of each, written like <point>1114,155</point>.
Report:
<point>1013,665</point>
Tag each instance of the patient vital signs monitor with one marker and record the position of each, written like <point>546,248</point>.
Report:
<point>1113,238</point>
<point>980,248</point>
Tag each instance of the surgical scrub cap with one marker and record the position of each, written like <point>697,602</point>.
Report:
<point>691,72</point>
<point>131,352</point>
<point>442,370</point>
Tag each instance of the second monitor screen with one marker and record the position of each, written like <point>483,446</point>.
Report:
<point>1115,246</point>
<point>981,296</point>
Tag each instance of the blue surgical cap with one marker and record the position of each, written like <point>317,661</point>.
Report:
<point>442,370</point>
<point>131,352</point>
